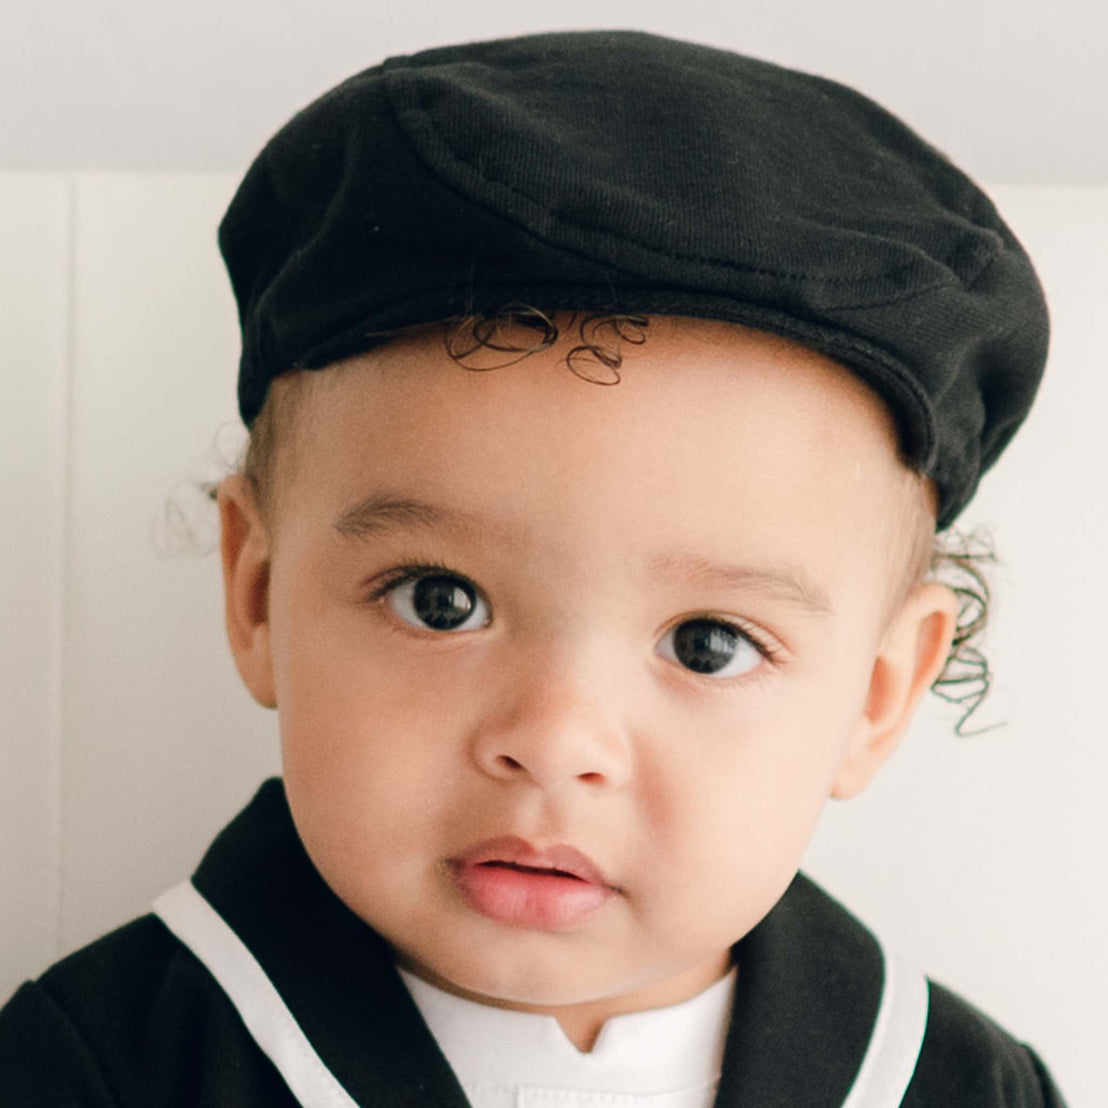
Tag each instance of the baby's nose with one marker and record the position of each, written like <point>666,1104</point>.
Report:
<point>553,731</point>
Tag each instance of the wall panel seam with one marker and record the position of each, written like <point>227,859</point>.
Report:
<point>62,571</point>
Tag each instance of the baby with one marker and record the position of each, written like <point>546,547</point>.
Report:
<point>606,393</point>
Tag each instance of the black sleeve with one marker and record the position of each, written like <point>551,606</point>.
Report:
<point>1052,1098</point>
<point>970,1061</point>
<point>44,1060</point>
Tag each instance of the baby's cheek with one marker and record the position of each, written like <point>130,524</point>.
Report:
<point>734,845</point>
<point>713,907</point>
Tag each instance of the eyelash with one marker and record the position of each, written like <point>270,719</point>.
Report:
<point>402,574</point>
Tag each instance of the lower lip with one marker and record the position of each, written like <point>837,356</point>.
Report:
<point>524,899</point>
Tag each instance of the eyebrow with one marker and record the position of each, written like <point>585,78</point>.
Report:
<point>384,513</point>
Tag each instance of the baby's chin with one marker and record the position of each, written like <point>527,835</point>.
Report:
<point>554,982</point>
<point>510,979</point>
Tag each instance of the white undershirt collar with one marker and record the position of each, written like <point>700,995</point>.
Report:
<point>668,1055</point>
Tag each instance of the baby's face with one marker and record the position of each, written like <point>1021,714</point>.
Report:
<point>652,638</point>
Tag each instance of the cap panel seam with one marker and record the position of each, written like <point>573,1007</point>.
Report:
<point>397,94</point>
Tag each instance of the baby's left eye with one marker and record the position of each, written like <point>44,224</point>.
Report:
<point>712,647</point>
<point>435,601</point>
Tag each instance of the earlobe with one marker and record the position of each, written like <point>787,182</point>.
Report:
<point>909,660</point>
<point>244,545</point>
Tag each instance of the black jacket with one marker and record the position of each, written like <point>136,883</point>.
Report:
<point>137,1020</point>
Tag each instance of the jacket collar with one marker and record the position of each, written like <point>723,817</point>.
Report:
<point>810,980</point>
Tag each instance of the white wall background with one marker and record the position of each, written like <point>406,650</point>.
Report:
<point>126,739</point>
<point>1013,90</point>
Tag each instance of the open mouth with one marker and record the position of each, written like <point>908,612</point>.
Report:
<point>511,853</point>
<point>541,871</point>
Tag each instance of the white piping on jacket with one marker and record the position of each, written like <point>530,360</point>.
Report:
<point>894,1044</point>
<point>201,928</point>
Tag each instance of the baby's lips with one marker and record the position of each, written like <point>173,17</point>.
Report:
<point>513,850</point>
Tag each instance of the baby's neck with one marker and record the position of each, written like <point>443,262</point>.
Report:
<point>582,1028</point>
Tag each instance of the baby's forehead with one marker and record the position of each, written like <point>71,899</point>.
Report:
<point>695,381</point>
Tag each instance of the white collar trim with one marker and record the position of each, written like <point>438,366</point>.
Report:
<point>638,1053</point>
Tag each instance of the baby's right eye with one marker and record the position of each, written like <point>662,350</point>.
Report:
<point>434,600</point>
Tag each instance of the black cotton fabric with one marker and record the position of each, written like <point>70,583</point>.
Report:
<point>618,171</point>
<point>135,1020</point>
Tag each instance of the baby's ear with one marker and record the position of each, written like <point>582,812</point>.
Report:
<point>910,657</point>
<point>245,547</point>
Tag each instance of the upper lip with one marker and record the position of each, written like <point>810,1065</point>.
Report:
<point>519,852</point>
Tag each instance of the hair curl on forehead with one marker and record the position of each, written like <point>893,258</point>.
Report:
<point>483,343</point>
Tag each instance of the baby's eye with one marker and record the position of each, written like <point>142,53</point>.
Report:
<point>438,601</point>
<point>710,646</point>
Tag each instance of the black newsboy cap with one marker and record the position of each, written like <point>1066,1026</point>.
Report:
<point>622,171</point>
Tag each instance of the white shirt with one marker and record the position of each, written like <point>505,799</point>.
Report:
<point>661,1058</point>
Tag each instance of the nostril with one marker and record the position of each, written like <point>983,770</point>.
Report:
<point>510,762</point>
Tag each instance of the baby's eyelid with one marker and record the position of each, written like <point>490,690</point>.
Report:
<point>762,641</point>
<point>392,579</point>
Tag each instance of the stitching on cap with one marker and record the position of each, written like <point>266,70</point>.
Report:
<point>394,93</point>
